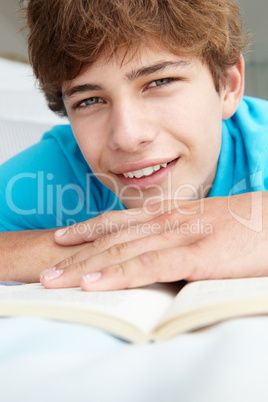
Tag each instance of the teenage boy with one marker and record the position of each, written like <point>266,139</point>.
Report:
<point>154,95</point>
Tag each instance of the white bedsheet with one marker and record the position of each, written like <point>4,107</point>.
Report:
<point>47,361</point>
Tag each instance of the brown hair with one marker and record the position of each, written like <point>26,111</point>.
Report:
<point>67,35</point>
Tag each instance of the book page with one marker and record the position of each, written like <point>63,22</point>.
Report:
<point>141,307</point>
<point>196,295</point>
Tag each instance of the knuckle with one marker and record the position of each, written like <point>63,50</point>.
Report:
<point>149,259</point>
<point>194,263</point>
<point>81,267</point>
<point>150,263</point>
<point>117,250</point>
<point>119,272</point>
<point>66,262</point>
<point>108,216</point>
<point>102,242</point>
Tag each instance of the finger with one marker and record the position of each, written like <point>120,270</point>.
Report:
<point>157,266</point>
<point>91,249</point>
<point>104,242</point>
<point>109,222</point>
<point>70,275</point>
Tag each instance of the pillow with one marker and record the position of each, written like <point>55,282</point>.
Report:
<point>24,115</point>
<point>16,136</point>
<point>20,98</point>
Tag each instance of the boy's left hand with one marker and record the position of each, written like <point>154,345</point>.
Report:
<point>212,238</point>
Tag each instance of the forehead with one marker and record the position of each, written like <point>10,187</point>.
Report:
<point>132,63</point>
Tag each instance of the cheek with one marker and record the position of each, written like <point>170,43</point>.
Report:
<point>90,143</point>
<point>205,119</point>
<point>198,126</point>
<point>207,142</point>
<point>195,125</point>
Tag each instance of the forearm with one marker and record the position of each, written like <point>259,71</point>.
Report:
<point>25,254</point>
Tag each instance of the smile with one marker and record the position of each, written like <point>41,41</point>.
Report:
<point>148,171</point>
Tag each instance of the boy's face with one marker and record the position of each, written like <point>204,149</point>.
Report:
<point>150,128</point>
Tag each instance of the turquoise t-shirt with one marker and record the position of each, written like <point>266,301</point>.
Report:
<point>50,184</point>
<point>243,161</point>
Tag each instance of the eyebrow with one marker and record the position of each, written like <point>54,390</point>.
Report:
<point>132,76</point>
<point>160,66</point>
<point>81,88</point>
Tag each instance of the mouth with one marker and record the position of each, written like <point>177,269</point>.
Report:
<point>147,176</point>
<point>148,171</point>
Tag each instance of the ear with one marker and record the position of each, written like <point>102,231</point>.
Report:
<point>234,88</point>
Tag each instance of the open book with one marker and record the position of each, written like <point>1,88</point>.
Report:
<point>151,313</point>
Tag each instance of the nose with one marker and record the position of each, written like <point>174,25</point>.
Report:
<point>132,128</point>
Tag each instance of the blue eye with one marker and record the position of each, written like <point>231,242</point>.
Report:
<point>89,101</point>
<point>160,82</point>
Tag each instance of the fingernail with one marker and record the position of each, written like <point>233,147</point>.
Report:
<point>60,232</point>
<point>51,273</point>
<point>91,278</point>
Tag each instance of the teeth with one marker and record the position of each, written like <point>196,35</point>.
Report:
<point>144,172</point>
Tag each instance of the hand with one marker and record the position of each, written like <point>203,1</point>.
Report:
<point>223,237</point>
